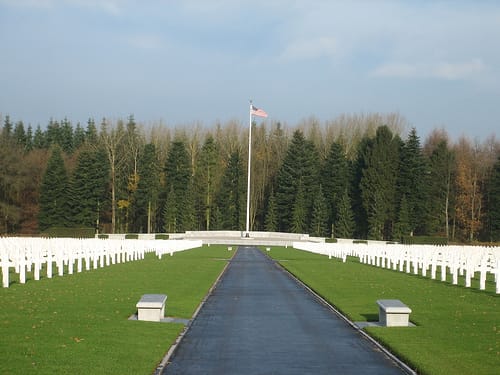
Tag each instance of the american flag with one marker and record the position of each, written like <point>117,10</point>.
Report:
<point>257,112</point>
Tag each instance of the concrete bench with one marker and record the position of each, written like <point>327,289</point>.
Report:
<point>393,313</point>
<point>151,307</point>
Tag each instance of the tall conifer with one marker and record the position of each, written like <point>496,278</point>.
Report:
<point>54,201</point>
<point>378,184</point>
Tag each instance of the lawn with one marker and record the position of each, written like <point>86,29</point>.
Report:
<point>78,324</point>
<point>457,328</point>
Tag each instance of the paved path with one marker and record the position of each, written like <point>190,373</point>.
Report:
<point>260,321</point>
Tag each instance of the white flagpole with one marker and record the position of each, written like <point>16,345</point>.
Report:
<point>249,169</point>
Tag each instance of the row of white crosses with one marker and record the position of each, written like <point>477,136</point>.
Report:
<point>458,260</point>
<point>30,254</point>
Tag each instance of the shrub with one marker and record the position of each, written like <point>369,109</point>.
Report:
<point>424,240</point>
<point>81,232</point>
<point>161,236</point>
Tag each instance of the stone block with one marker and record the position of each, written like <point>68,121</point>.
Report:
<point>151,307</point>
<point>393,313</point>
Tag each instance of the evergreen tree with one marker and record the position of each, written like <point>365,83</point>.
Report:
<point>335,179</point>
<point>206,180</point>
<point>7,128</point>
<point>78,137</point>
<point>39,140</point>
<point>231,197</point>
<point>403,226</point>
<point>146,196</point>
<point>344,223</point>
<point>494,203</point>
<point>357,167</point>
<point>299,211</point>
<point>54,201</point>
<point>178,181</point>
<point>13,179</point>
<point>271,223</point>
<point>91,132</point>
<point>171,212</point>
<point>378,184</point>
<point>89,185</point>
<point>29,139</point>
<point>300,165</point>
<point>53,134</point>
<point>20,134</point>
<point>319,219</point>
<point>66,136</point>
<point>413,183</point>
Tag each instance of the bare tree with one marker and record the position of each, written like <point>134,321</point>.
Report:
<point>111,139</point>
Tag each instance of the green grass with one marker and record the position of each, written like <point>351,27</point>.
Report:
<point>457,328</point>
<point>78,324</point>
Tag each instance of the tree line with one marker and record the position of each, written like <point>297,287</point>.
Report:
<point>361,176</point>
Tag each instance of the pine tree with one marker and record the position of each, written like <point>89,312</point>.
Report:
<point>494,203</point>
<point>39,140</point>
<point>357,167</point>
<point>91,132</point>
<point>206,180</point>
<point>271,223</point>
<point>335,179</point>
<point>170,212</point>
<point>78,137</point>
<point>13,179</point>
<point>145,200</point>
<point>54,202</point>
<point>344,222</point>
<point>413,183</point>
<point>299,211</point>
<point>178,183</point>
<point>378,184</point>
<point>53,135</point>
<point>231,197</point>
<point>20,134</point>
<point>403,226</point>
<point>7,128</point>
<point>66,136</point>
<point>319,219</point>
<point>29,139</point>
<point>89,184</point>
<point>300,165</point>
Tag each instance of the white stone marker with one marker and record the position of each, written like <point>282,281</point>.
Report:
<point>151,307</point>
<point>393,313</point>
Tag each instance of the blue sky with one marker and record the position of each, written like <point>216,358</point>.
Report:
<point>436,63</point>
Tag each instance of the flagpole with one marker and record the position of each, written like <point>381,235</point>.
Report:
<point>247,234</point>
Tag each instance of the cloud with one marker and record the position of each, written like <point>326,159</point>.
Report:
<point>28,3</point>
<point>113,7</point>
<point>442,70</point>
<point>311,48</point>
<point>456,71</point>
<point>145,41</point>
<point>396,70</point>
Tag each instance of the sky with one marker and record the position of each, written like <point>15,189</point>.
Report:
<point>179,62</point>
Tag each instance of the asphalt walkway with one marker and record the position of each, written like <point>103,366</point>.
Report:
<point>259,320</point>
